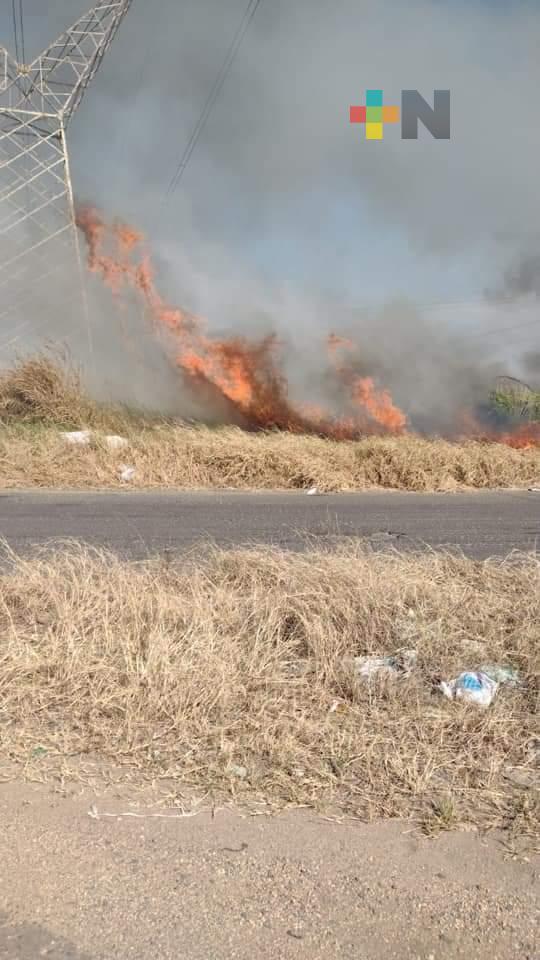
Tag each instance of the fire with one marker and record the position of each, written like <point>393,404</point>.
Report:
<point>379,404</point>
<point>245,375</point>
<point>363,391</point>
<point>523,437</point>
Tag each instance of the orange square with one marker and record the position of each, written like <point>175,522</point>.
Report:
<point>390,114</point>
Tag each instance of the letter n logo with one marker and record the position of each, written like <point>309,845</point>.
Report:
<point>436,119</point>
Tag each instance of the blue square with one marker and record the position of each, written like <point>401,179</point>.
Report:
<point>374,98</point>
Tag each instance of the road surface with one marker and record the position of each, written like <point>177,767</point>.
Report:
<point>137,524</point>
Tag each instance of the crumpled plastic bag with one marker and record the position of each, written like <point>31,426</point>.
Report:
<point>114,442</point>
<point>77,437</point>
<point>401,663</point>
<point>475,687</point>
<point>127,473</point>
<point>479,686</point>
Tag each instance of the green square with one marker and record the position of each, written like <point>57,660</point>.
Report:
<point>373,114</point>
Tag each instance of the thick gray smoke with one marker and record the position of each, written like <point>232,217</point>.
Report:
<point>523,278</point>
<point>286,218</point>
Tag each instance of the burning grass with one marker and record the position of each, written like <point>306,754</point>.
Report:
<point>39,398</point>
<point>245,378</point>
<point>229,674</point>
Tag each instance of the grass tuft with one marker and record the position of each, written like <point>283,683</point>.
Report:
<point>241,660</point>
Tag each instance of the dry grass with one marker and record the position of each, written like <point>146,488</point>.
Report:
<point>46,390</point>
<point>43,389</point>
<point>39,397</point>
<point>192,457</point>
<point>239,659</point>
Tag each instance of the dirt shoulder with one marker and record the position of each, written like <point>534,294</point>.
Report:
<point>80,887</point>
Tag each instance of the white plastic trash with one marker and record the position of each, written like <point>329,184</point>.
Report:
<point>480,686</point>
<point>401,664</point>
<point>127,473</point>
<point>474,687</point>
<point>115,443</point>
<point>239,771</point>
<point>368,667</point>
<point>77,437</point>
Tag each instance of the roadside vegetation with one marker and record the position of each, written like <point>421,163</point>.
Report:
<point>525,406</point>
<point>40,399</point>
<point>231,675</point>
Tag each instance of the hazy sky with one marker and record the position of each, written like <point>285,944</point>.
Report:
<point>284,204</point>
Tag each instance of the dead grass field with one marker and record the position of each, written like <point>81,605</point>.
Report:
<point>39,398</point>
<point>230,673</point>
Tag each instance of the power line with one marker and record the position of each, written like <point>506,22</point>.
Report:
<point>21,18</point>
<point>15,29</point>
<point>484,305</point>
<point>249,14</point>
<point>515,326</point>
<point>478,301</point>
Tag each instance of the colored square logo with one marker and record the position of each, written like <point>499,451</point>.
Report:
<point>414,110</point>
<point>374,98</point>
<point>374,114</point>
<point>374,131</point>
<point>358,114</point>
<point>390,114</point>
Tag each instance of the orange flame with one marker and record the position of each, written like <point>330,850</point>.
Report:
<point>379,404</point>
<point>242,373</point>
<point>522,437</point>
<point>363,391</point>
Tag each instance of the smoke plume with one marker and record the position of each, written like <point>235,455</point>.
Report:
<point>287,221</point>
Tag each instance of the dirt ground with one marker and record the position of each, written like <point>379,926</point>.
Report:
<point>77,884</point>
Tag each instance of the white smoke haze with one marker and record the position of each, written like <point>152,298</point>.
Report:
<point>287,219</point>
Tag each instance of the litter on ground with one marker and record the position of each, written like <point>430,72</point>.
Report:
<point>239,771</point>
<point>115,443</point>
<point>77,437</point>
<point>401,663</point>
<point>127,473</point>
<point>479,686</point>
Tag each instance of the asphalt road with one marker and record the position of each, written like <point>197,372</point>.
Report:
<point>137,524</point>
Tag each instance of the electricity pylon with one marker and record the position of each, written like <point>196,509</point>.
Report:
<point>40,261</point>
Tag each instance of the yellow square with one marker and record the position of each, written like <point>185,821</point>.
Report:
<point>374,131</point>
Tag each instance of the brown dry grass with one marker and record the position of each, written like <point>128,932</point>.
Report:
<point>40,397</point>
<point>235,658</point>
<point>47,390</point>
<point>197,457</point>
<point>43,389</point>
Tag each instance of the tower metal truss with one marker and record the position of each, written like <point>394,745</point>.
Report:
<point>40,261</point>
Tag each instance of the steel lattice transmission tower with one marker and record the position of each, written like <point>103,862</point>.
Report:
<point>40,263</point>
